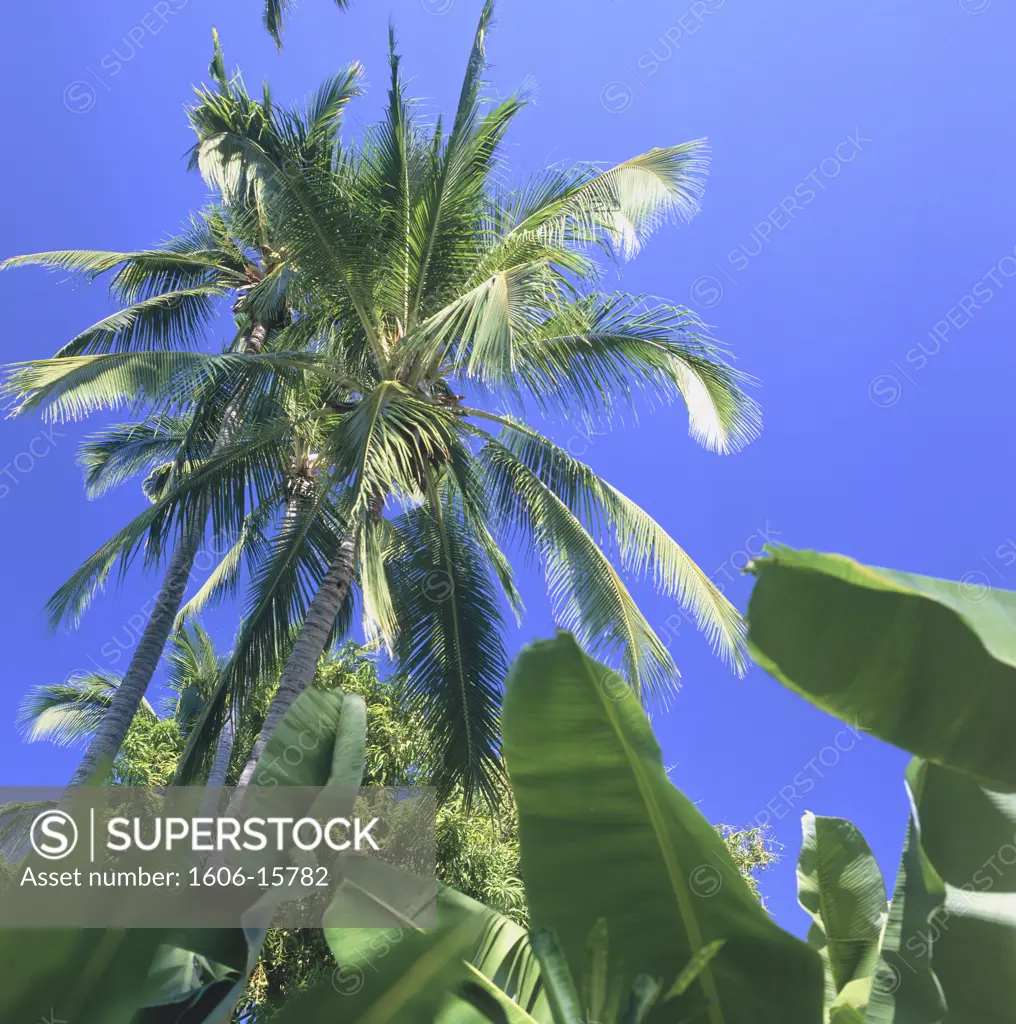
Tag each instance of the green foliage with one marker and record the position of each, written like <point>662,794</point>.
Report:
<point>477,848</point>
<point>383,282</point>
<point>952,927</point>
<point>840,885</point>
<point>150,753</point>
<point>410,979</point>
<point>88,976</point>
<point>752,851</point>
<point>927,664</point>
<point>69,713</point>
<point>476,852</point>
<point>478,965</point>
<point>639,856</point>
<point>872,646</point>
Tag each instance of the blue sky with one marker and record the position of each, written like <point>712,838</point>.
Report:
<point>855,250</point>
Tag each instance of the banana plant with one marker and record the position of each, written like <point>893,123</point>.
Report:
<point>929,665</point>
<point>605,836</point>
<point>338,721</point>
<point>639,912</point>
<point>943,949</point>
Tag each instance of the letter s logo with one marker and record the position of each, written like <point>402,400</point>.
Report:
<point>59,835</point>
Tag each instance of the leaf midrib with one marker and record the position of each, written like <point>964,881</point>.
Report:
<point>667,852</point>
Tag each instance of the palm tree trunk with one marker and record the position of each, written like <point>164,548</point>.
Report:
<point>256,342</point>
<point>220,767</point>
<point>310,645</point>
<point>223,751</point>
<point>106,742</point>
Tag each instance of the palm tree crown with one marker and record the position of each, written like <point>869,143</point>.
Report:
<point>437,305</point>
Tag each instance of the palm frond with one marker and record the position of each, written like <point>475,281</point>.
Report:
<point>601,352</point>
<point>476,334</point>
<point>329,102</point>
<point>223,580</point>
<point>643,547</point>
<point>71,387</point>
<point>274,15</point>
<point>282,586</point>
<point>458,183</point>
<point>125,450</point>
<point>466,476</point>
<point>622,206</point>
<point>451,643</point>
<point>69,713</point>
<point>588,596</point>
<point>243,475</point>
<point>88,263</point>
<point>192,662</point>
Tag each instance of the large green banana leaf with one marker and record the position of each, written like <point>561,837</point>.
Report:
<point>84,976</point>
<point>500,962</point>
<point>904,988</point>
<point>960,880</point>
<point>386,975</point>
<point>926,664</point>
<point>501,968</point>
<point>840,885</point>
<point>605,834</point>
<point>321,741</point>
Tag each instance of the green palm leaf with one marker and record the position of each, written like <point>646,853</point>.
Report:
<point>274,15</point>
<point>67,714</point>
<point>125,450</point>
<point>451,642</point>
<point>643,546</point>
<point>587,593</point>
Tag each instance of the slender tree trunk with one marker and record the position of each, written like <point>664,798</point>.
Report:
<point>124,706</point>
<point>223,751</point>
<point>310,645</point>
<point>108,740</point>
<point>256,342</point>
<point>220,767</point>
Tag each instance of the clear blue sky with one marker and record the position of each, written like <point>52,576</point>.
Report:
<point>860,200</point>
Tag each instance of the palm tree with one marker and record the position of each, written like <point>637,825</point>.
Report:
<point>437,303</point>
<point>69,713</point>
<point>194,668</point>
<point>170,297</point>
<point>168,449</point>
